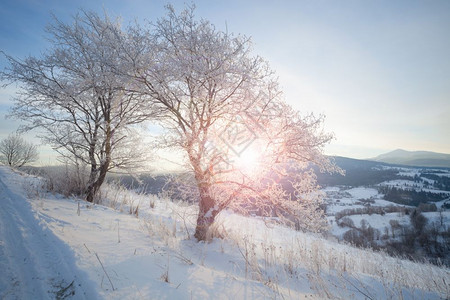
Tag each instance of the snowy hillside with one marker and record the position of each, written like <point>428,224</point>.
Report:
<point>141,247</point>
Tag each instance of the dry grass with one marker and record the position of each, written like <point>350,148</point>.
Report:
<point>333,270</point>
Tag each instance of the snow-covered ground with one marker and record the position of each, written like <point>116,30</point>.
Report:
<point>34,262</point>
<point>376,221</point>
<point>52,247</point>
<point>409,172</point>
<point>411,185</point>
<point>339,199</point>
<point>439,204</point>
<point>418,180</point>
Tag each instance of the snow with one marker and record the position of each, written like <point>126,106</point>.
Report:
<point>436,191</point>
<point>33,260</point>
<point>411,185</point>
<point>439,204</point>
<point>409,172</point>
<point>381,221</point>
<point>378,221</point>
<point>436,217</point>
<point>148,249</point>
<point>137,264</point>
<point>339,199</point>
<point>108,254</point>
<point>402,183</point>
<point>374,220</point>
<point>363,193</point>
<point>331,189</point>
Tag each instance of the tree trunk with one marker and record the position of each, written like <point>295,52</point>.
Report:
<point>90,190</point>
<point>206,215</point>
<point>207,207</point>
<point>97,182</point>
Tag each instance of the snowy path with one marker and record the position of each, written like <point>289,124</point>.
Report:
<point>34,263</point>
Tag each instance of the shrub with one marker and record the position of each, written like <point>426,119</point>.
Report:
<point>346,222</point>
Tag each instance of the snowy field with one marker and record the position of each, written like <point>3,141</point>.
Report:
<point>423,184</point>
<point>52,247</point>
<point>338,199</point>
<point>341,198</point>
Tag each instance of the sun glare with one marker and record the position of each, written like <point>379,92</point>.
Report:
<point>248,160</point>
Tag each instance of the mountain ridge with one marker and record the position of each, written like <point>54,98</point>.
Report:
<point>414,158</point>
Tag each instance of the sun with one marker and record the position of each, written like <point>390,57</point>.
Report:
<point>248,160</point>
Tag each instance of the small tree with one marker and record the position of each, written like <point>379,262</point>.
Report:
<point>246,148</point>
<point>346,222</point>
<point>395,225</point>
<point>75,93</point>
<point>16,152</point>
<point>418,221</point>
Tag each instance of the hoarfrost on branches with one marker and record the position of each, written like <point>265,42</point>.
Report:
<point>245,147</point>
<point>75,93</point>
<point>219,103</point>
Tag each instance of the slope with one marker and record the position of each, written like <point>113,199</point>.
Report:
<point>33,261</point>
<point>142,249</point>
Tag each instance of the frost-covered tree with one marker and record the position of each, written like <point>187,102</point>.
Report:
<point>246,147</point>
<point>75,93</point>
<point>16,152</point>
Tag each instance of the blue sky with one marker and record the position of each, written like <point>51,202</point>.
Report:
<point>378,70</point>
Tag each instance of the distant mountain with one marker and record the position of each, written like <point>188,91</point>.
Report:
<point>415,158</point>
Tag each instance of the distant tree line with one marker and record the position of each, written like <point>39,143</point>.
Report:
<point>381,210</point>
<point>422,240</point>
<point>370,210</point>
<point>410,197</point>
<point>147,183</point>
<point>440,182</point>
<point>419,241</point>
<point>358,173</point>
